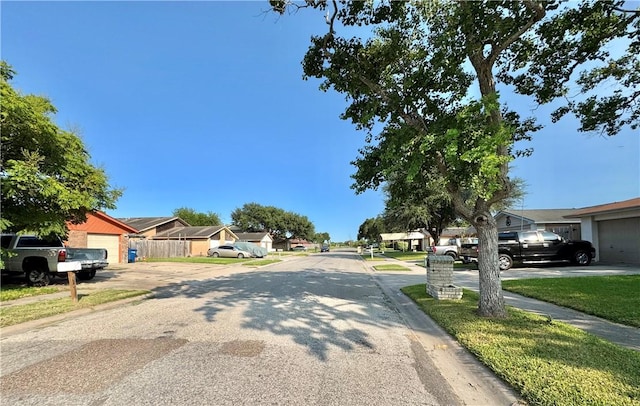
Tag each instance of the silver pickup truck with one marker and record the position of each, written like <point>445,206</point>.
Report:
<point>41,259</point>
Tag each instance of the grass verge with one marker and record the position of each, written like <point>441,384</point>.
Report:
<point>613,298</point>
<point>13,292</point>
<point>406,256</point>
<point>548,363</point>
<point>10,315</point>
<point>391,267</point>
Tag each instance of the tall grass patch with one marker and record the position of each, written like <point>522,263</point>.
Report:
<point>548,362</point>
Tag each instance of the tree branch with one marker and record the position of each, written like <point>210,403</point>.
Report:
<point>539,13</point>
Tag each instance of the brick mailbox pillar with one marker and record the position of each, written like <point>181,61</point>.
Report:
<point>440,277</point>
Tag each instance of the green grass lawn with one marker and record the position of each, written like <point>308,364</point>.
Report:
<point>10,315</point>
<point>406,256</point>
<point>615,298</point>
<point>390,267</point>
<point>548,363</point>
<point>13,292</point>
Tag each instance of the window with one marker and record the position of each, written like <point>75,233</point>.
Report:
<point>6,240</point>
<point>549,236</point>
<point>529,236</point>
<point>35,242</point>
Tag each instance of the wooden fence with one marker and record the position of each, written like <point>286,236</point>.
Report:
<point>161,248</point>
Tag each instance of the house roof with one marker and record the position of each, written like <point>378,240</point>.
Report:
<point>99,222</point>
<point>540,215</point>
<point>609,207</point>
<point>202,232</point>
<point>147,223</point>
<point>413,235</point>
<point>458,231</point>
<point>252,236</point>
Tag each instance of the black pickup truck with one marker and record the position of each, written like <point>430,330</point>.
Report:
<point>535,247</point>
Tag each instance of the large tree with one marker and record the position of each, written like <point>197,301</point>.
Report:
<point>423,85</point>
<point>195,218</point>
<point>421,202</point>
<point>371,229</point>
<point>46,173</point>
<point>279,223</point>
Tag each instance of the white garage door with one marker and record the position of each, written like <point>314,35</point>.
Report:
<point>619,240</point>
<point>110,242</point>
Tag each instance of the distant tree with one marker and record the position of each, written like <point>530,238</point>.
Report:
<point>371,229</point>
<point>322,238</point>
<point>46,174</point>
<point>279,223</point>
<point>424,86</point>
<point>419,203</point>
<point>195,218</point>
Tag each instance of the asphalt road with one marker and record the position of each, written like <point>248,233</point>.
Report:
<point>316,330</point>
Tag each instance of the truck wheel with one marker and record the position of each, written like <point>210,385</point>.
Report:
<point>505,261</point>
<point>452,255</point>
<point>38,277</point>
<point>581,257</point>
<point>86,275</point>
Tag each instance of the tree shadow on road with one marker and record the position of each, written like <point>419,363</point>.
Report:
<point>316,308</point>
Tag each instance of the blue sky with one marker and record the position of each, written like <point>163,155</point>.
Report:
<point>202,105</point>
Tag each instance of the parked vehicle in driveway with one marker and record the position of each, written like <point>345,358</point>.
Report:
<point>255,250</point>
<point>228,251</point>
<point>41,259</point>
<point>299,248</point>
<point>536,247</point>
<point>451,247</point>
<point>325,248</point>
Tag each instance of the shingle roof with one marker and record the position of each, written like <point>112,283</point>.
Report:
<point>146,223</point>
<point>251,236</point>
<point>192,232</point>
<point>541,215</point>
<point>602,208</point>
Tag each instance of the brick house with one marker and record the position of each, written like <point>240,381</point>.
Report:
<point>102,231</point>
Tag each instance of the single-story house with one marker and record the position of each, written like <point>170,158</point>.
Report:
<point>202,238</point>
<point>457,232</point>
<point>102,231</point>
<point>614,230</point>
<point>553,220</point>
<point>262,239</point>
<point>417,240</point>
<point>150,226</point>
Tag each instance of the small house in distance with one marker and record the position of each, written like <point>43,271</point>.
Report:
<point>261,239</point>
<point>201,238</point>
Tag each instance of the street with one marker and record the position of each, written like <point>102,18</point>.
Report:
<point>315,330</point>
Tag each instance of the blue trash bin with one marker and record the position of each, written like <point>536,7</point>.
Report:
<point>133,253</point>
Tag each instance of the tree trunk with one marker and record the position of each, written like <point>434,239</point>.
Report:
<point>491,299</point>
